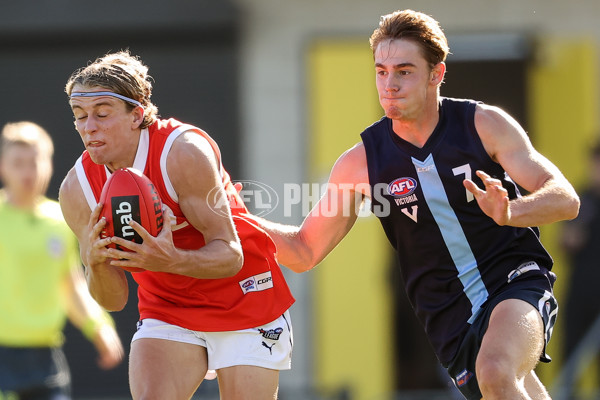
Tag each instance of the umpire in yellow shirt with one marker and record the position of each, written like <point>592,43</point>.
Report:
<point>41,279</point>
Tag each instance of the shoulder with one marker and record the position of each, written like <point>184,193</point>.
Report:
<point>192,145</point>
<point>351,167</point>
<point>492,117</point>
<point>69,185</point>
<point>193,163</point>
<point>452,104</point>
<point>73,204</point>
<point>354,155</point>
<point>498,130</point>
<point>175,128</point>
<point>375,128</point>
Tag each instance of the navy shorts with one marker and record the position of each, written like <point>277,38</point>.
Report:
<point>34,373</point>
<point>535,289</point>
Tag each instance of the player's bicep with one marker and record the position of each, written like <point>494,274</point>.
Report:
<point>337,210</point>
<point>530,170</point>
<point>195,174</point>
<point>209,215</point>
<point>508,144</point>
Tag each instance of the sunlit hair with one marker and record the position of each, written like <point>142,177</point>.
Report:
<point>28,134</point>
<point>418,27</point>
<point>121,73</point>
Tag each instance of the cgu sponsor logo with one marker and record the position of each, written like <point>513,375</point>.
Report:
<point>264,280</point>
<point>402,187</point>
<point>257,283</point>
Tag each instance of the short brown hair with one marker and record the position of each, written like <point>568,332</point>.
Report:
<point>28,134</point>
<point>123,74</point>
<point>416,26</point>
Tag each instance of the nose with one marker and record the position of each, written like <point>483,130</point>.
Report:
<point>90,125</point>
<point>28,174</point>
<point>391,83</point>
<point>30,171</point>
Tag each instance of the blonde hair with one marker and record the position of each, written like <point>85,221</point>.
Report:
<point>123,74</point>
<point>26,133</point>
<point>30,134</point>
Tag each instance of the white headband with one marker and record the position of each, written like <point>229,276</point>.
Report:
<point>96,94</point>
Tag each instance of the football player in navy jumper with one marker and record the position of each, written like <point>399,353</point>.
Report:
<point>442,177</point>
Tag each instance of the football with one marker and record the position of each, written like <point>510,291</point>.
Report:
<point>128,195</point>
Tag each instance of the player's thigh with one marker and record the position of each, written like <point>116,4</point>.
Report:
<point>514,339</point>
<point>247,382</point>
<point>165,369</point>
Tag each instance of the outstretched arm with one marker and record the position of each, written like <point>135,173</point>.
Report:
<point>301,248</point>
<point>551,197</point>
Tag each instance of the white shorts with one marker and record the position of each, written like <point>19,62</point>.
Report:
<point>267,346</point>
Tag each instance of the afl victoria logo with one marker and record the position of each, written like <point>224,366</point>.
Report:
<point>402,187</point>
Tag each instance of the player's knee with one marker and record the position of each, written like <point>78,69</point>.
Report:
<point>147,395</point>
<point>495,378</point>
<point>140,394</point>
<point>153,392</point>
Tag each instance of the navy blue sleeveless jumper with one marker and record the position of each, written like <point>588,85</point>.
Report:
<point>452,256</point>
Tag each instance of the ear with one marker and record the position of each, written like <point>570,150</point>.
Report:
<point>437,73</point>
<point>138,117</point>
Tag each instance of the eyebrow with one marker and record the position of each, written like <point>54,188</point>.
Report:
<point>96,105</point>
<point>397,66</point>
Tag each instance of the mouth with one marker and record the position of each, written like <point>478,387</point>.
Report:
<point>94,143</point>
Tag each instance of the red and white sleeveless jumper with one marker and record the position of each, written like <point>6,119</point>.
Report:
<point>256,295</point>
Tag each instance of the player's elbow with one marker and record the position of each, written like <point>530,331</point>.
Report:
<point>236,266</point>
<point>110,303</point>
<point>235,261</point>
<point>113,304</point>
<point>305,259</point>
<point>572,207</point>
<point>568,207</point>
<point>301,267</point>
<point>114,308</point>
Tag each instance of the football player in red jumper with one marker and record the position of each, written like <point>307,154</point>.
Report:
<point>212,296</point>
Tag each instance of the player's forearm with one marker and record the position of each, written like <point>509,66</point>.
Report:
<point>108,286</point>
<point>217,259</point>
<point>291,250</point>
<point>551,203</point>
